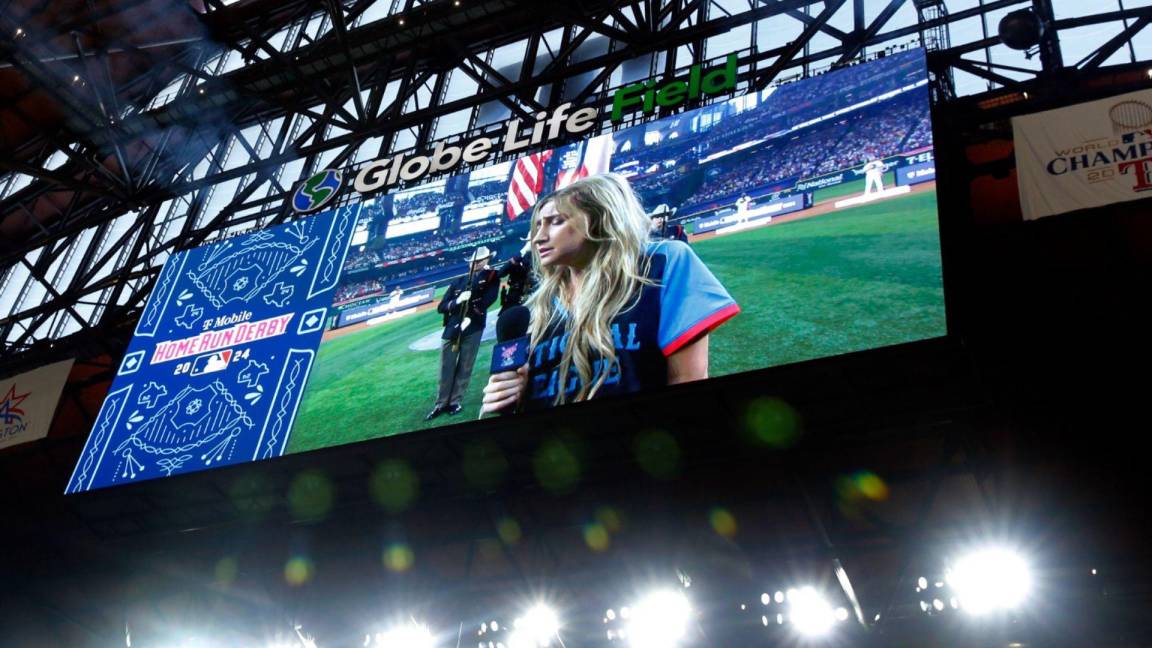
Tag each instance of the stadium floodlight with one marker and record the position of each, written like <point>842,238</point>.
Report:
<point>990,580</point>
<point>407,635</point>
<point>810,613</point>
<point>536,629</point>
<point>660,620</point>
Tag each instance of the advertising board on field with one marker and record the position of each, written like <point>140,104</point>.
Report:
<point>444,300</point>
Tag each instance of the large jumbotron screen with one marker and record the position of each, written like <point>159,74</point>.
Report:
<point>792,224</point>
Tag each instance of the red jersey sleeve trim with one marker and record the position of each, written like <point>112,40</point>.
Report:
<point>705,325</point>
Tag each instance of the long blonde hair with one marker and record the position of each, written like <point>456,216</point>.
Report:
<point>606,211</point>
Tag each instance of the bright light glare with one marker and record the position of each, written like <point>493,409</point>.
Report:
<point>409,635</point>
<point>811,613</point>
<point>990,579</point>
<point>660,620</point>
<point>536,628</point>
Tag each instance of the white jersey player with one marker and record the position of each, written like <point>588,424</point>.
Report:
<point>742,208</point>
<point>873,176</point>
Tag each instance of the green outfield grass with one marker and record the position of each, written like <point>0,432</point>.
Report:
<point>831,284</point>
<point>845,281</point>
<point>849,188</point>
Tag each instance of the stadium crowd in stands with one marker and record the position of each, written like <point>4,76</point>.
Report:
<point>427,201</point>
<point>488,191</point>
<point>422,253</point>
<point>358,290</point>
<point>897,125</point>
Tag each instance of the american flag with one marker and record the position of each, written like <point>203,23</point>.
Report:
<point>526,184</point>
<point>588,158</point>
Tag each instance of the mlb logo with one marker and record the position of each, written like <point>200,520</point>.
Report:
<point>211,362</point>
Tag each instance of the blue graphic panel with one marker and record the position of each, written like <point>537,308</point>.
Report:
<point>221,355</point>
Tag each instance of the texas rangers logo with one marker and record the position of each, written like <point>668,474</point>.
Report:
<point>317,191</point>
<point>9,413</point>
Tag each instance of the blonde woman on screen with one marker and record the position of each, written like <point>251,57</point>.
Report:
<point>612,312</point>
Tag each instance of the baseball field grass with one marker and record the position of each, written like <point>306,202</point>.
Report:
<point>836,283</point>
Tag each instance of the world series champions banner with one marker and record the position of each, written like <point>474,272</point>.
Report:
<point>221,354</point>
<point>1088,155</point>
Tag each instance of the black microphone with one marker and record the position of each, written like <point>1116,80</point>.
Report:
<point>511,350</point>
<point>513,323</point>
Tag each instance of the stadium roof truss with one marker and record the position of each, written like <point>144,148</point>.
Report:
<point>164,144</point>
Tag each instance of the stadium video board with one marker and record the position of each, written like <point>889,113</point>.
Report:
<point>786,225</point>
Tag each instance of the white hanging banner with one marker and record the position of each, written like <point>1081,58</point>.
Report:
<point>28,401</point>
<point>1087,155</point>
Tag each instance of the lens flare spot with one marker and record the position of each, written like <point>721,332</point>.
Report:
<point>658,453</point>
<point>490,550</point>
<point>855,491</point>
<point>871,486</point>
<point>609,518</point>
<point>251,494</point>
<point>310,495</point>
<point>484,465</point>
<point>597,537</point>
<point>226,571</point>
<point>394,485</point>
<point>398,557</point>
<point>509,530</point>
<point>723,522</point>
<point>556,466</point>
<point>773,422</point>
<point>297,571</point>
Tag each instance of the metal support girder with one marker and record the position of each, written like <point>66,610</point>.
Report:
<point>1050,56</point>
<point>839,35</point>
<point>80,117</point>
<point>785,58</point>
<point>640,27</point>
<point>860,39</point>
<point>109,121</point>
<point>336,11</point>
<point>520,86</point>
<point>983,71</point>
<point>1102,53</point>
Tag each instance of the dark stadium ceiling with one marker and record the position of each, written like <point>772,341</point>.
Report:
<point>130,129</point>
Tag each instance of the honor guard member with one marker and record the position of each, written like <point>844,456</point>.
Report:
<point>465,309</point>
<point>518,273</point>
<point>663,230</point>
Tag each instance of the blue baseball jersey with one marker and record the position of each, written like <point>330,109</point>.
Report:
<point>683,302</point>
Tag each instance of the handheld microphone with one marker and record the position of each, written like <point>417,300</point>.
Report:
<point>511,350</point>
